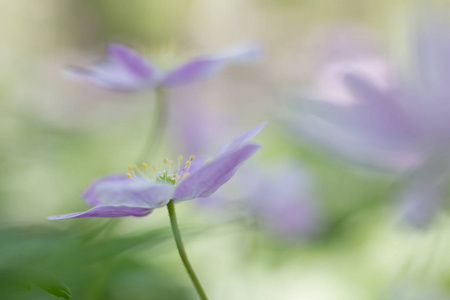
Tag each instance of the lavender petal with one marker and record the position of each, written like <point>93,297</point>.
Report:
<point>214,174</point>
<point>89,193</point>
<point>241,140</point>
<point>207,66</point>
<point>132,61</point>
<point>134,193</point>
<point>106,212</point>
<point>123,70</point>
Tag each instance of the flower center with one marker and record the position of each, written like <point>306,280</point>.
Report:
<point>170,173</point>
<point>167,56</point>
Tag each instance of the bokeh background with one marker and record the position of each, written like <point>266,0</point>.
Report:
<point>298,221</point>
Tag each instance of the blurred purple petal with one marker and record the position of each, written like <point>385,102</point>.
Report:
<point>214,174</point>
<point>379,128</point>
<point>123,70</point>
<point>241,140</point>
<point>281,197</point>
<point>421,198</point>
<point>207,66</point>
<point>432,48</point>
<point>106,212</point>
<point>400,124</point>
<point>132,61</point>
<point>357,149</point>
<point>331,85</point>
<point>382,113</point>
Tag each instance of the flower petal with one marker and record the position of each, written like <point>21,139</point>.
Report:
<point>358,149</point>
<point>132,61</point>
<point>422,198</point>
<point>432,45</point>
<point>124,70</point>
<point>241,140</point>
<point>207,66</point>
<point>214,174</point>
<point>134,193</point>
<point>281,197</point>
<point>106,212</point>
<point>89,193</point>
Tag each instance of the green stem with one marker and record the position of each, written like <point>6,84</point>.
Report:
<point>182,252</point>
<point>158,125</point>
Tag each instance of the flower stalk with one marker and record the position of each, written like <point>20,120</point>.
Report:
<point>158,125</point>
<point>182,252</point>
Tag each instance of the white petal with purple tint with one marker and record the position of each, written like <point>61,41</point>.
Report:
<point>134,193</point>
<point>89,193</point>
<point>106,212</point>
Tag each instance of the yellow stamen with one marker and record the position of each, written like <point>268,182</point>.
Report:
<point>130,167</point>
<point>144,165</point>
<point>188,163</point>
<point>171,163</point>
<point>166,160</point>
<point>129,175</point>
<point>154,168</point>
<point>191,158</point>
<point>207,161</point>
<point>180,157</point>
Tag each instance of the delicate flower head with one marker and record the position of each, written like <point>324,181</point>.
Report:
<point>281,197</point>
<point>378,129</point>
<point>126,70</point>
<point>142,189</point>
<point>401,125</point>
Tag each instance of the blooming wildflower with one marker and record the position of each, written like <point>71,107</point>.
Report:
<point>281,198</point>
<point>376,127</point>
<point>138,192</point>
<point>402,126</point>
<point>126,70</point>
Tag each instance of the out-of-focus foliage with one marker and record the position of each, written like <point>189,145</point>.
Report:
<point>88,264</point>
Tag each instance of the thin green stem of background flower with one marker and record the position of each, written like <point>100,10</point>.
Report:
<point>158,125</point>
<point>182,252</point>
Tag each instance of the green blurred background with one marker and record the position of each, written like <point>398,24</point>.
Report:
<point>57,136</point>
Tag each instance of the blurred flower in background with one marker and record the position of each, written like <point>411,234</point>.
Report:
<point>366,118</point>
<point>126,70</point>
<point>390,123</point>
<point>281,198</point>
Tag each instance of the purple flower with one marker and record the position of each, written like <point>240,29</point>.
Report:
<point>401,125</point>
<point>137,193</point>
<point>281,198</point>
<point>126,70</point>
<point>377,127</point>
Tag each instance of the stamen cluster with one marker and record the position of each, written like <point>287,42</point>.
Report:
<point>169,174</point>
